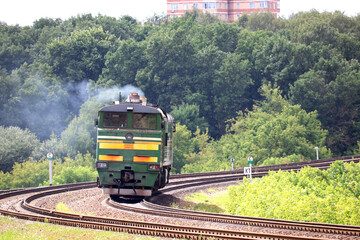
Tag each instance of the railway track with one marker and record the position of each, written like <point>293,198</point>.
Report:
<point>129,226</point>
<point>167,230</point>
<point>321,164</point>
<point>149,206</point>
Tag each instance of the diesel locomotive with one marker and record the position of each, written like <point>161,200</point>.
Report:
<point>134,147</point>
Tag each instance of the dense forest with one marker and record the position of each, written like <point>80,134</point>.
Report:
<point>270,87</point>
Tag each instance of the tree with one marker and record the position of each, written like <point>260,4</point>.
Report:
<point>233,78</point>
<point>80,135</point>
<point>16,146</point>
<point>8,88</point>
<point>274,129</point>
<point>337,102</point>
<point>187,146</point>
<point>35,101</point>
<point>261,21</point>
<point>79,56</point>
<point>208,61</point>
<point>168,74</point>
<point>182,138</point>
<point>222,35</point>
<point>123,64</point>
<point>308,27</point>
<point>188,115</point>
<point>277,129</point>
<point>15,43</point>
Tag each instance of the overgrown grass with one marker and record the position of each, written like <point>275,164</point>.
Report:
<point>15,229</point>
<point>213,200</point>
<point>61,207</point>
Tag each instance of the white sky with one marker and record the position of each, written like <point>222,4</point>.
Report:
<point>25,12</point>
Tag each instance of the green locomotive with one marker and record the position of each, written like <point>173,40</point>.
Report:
<point>134,147</point>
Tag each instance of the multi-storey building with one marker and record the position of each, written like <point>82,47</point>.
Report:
<point>226,10</point>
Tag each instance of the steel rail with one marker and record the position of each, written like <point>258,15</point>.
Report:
<point>151,208</point>
<point>133,227</point>
<point>155,209</point>
<point>298,165</point>
<point>252,221</point>
<point>103,223</point>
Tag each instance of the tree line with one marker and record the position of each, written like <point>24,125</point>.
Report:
<point>266,86</point>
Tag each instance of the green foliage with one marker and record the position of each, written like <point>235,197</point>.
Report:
<point>182,63</point>
<point>277,129</point>
<point>187,146</point>
<point>79,56</point>
<point>80,135</point>
<point>33,173</point>
<point>274,132</point>
<point>182,138</point>
<point>123,64</point>
<point>312,195</point>
<point>260,21</point>
<point>334,97</point>
<point>28,174</point>
<point>15,43</point>
<point>188,115</point>
<point>16,146</point>
<point>75,174</point>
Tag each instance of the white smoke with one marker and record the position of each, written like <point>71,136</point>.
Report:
<point>107,95</point>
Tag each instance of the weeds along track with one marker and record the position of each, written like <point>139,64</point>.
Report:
<point>179,183</point>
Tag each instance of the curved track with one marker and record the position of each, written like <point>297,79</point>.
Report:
<point>130,226</point>
<point>150,206</point>
<point>167,230</point>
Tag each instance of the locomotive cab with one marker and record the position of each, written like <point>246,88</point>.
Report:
<point>134,148</point>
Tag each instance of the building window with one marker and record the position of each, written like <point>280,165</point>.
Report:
<point>209,5</point>
<point>195,5</point>
<point>278,5</point>
<point>174,7</point>
<point>186,6</point>
<point>252,5</point>
<point>238,5</point>
<point>263,4</point>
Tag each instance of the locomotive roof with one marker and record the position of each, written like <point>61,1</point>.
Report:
<point>124,107</point>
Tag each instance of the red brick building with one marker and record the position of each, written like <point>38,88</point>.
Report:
<point>226,10</point>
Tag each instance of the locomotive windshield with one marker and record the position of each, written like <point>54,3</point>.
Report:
<point>115,120</point>
<point>144,121</point>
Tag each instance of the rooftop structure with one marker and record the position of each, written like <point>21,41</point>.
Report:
<point>226,10</point>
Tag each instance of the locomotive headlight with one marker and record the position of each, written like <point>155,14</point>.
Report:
<point>101,165</point>
<point>154,167</point>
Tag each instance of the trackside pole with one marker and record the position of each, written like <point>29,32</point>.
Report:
<point>50,156</point>
<point>250,161</point>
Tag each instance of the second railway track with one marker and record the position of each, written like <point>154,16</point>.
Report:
<point>174,231</point>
